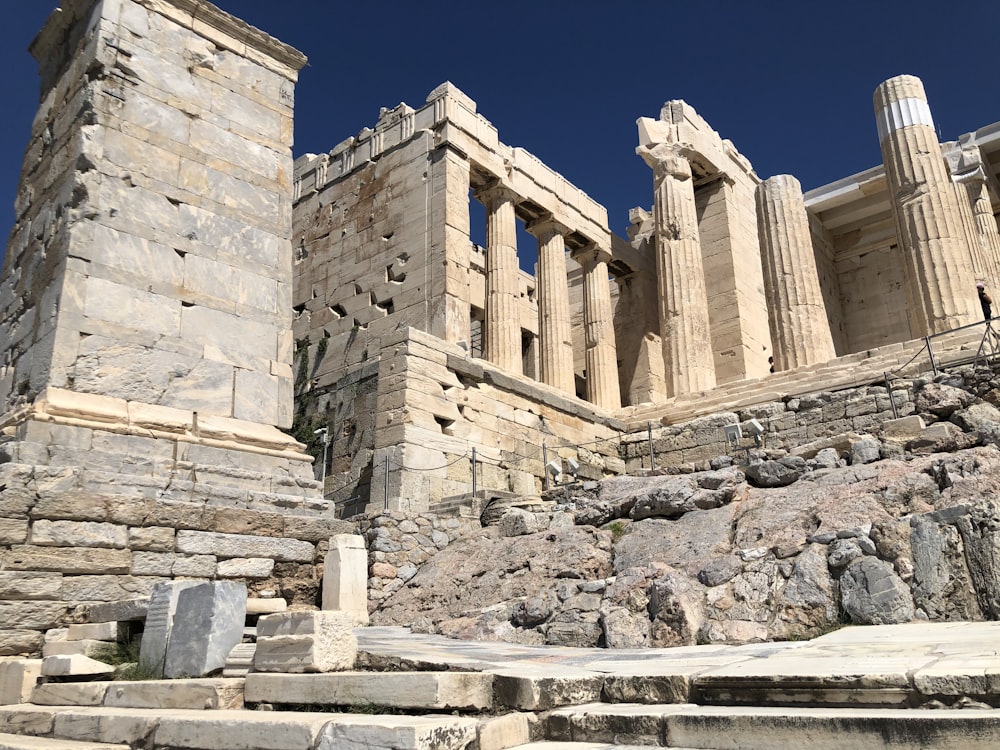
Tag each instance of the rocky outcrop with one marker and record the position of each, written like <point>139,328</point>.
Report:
<point>850,529</point>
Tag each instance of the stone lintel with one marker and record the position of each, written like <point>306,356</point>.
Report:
<point>200,16</point>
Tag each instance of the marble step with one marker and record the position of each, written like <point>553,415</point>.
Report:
<point>235,729</point>
<point>201,694</point>
<point>22,742</point>
<point>766,728</point>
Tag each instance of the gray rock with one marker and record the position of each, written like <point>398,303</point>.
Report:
<point>841,552</point>
<point>518,522</point>
<point>772,474</point>
<point>795,463</point>
<point>719,571</point>
<point>941,400</point>
<point>940,583</point>
<point>865,451</point>
<point>872,594</point>
<point>980,531</point>
<point>828,458</point>
<point>825,538</point>
<point>719,479</point>
<point>531,612</point>
<point>976,417</point>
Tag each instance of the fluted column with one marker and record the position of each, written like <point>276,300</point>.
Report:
<point>800,329</point>
<point>986,229</point>
<point>502,334</point>
<point>937,264</point>
<point>599,330</point>
<point>688,363</point>
<point>552,292</point>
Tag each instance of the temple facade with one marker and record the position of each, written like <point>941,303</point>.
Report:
<point>417,344</point>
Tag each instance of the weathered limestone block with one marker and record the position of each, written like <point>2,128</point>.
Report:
<point>17,679</point>
<point>159,623</point>
<point>410,732</point>
<point>20,642</point>
<point>68,560</point>
<point>79,534</point>
<point>29,585</point>
<point>472,691</point>
<point>243,567</point>
<point>305,642</point>
<point>873,594</point>
<point>345,577</point>
<point>100,631</point>
<point>74,665</point>
<point>207,623</point>
<point>235,545</point>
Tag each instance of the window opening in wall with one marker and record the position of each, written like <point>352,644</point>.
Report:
<point>529,354</point>
<point>476,318</point>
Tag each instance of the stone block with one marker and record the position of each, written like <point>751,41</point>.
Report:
<point>78,534</point>
<point>298,642</point>
<point>68,560</point>
<point>244,567</point>
<point>29,585</point>
<point>902,430</point>
<point>87,647</point>
<point>235,545</point>
<point>471,691</point>
<point>17,680</point>
<point>345,577</point>
<point>201,694</point>
<point>159,620</point>
<point>260,606</point>
<point>398,732</point>
<point>20,642</point>
<point>74,665</point>
<point>151,539</point>
<point>125,610</point>
<point>500,732</point>
<point>69,694</point>
<point>100,631</point>
<point>13,531</point>
<point>207,622</point>
<point>260,730</point>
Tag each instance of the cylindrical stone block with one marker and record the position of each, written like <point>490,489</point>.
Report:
<point>800,329</point>
<point>937,262</point>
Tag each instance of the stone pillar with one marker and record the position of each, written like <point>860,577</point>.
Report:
<point>147,285</point>
<point>552,291</point>
<point>687,352</point>
<point>345,577</point>
<point>502,336</point>
<point>800,329</point>
<point>599,329</point>
<point>937,264</point>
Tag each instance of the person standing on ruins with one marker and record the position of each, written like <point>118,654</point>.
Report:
<point>985,301</point>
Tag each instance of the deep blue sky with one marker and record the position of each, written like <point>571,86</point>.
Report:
<point>789,82</point>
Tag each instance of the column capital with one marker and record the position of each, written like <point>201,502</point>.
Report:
<point>591,253</point>
<point>666,160</point>
<point>545,226</point>
<point>495,192</point>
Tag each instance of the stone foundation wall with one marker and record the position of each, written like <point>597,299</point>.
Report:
<point>436,403</point>
<point>70,538</point>
<point>786,425</point>
<point>398,543</point>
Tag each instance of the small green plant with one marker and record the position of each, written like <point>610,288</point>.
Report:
<point>618,529</point>
<point>124,657</point>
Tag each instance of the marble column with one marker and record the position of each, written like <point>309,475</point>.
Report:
<point>937,263</point>
<point>987,232</point>
<point>688,361</point>
<point>502,334</point>
<point>800,329</point>
<point>599,329</point>
<point>554,329</point>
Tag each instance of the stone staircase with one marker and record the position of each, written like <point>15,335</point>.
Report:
<point>904,359</point>
<point>858,688</point>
